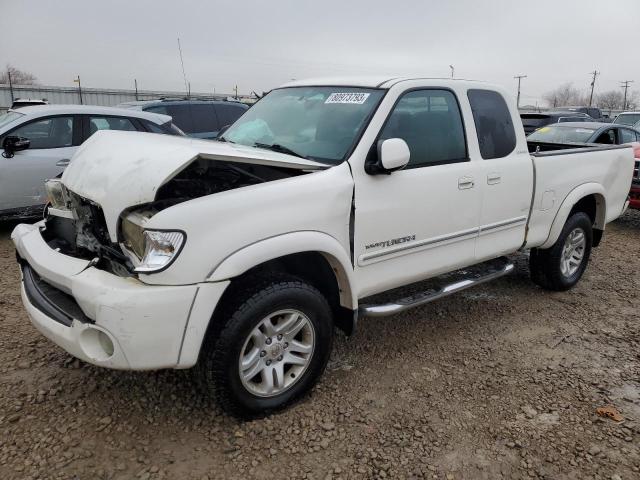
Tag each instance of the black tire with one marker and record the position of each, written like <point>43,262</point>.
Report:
<point>250,301</point>
<point>545,265</point>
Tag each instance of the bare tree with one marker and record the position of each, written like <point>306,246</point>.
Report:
<point>564,95</point>
<point>18,77</point>
<point>610,100</point>
<point>633,100</point>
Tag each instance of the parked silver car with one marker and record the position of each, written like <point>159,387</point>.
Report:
<point>37,142</point>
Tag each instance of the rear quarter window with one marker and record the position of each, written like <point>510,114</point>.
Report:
<point>494,126</point>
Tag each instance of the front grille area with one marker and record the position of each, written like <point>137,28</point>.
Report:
<point>51,301</point>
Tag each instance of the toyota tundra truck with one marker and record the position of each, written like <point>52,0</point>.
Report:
<point>240,256</point>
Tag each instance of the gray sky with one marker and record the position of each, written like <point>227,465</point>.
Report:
<point>261,44</point>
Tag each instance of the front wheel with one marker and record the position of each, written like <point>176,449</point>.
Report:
<point>561,266</point>
<point>273,343</point>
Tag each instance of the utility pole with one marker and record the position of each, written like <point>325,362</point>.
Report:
<point>595,73</point>
<point>77,80</point>
<point>10,84</point>
<point>135,81</point>
<point>625,84</point>
<point>452,70</point>
<point>236,89</point>
<point>519,77</point>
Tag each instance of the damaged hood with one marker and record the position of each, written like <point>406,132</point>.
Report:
<point>118,170</point>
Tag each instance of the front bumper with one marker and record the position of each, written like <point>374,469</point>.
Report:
<point>108,320</point>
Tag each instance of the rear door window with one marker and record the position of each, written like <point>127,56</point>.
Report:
<point>228,114</point>
<point>494,126</point>
<point>181,115</point>
<point>204,118</point>
<point>109,123</point>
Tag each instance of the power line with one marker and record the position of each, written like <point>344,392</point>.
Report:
<point>595,73</point>
<point>519,77</point>
<point>625,84</point>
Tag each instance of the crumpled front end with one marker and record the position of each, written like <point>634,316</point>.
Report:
<point>105,319</point>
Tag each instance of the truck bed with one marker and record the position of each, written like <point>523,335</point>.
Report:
<point>562,168</point>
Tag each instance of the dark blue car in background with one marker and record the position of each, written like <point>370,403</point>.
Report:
<point>196,118</point>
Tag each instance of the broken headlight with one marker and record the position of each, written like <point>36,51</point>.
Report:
<point>55,193</point>
<point>160,248</point>
<point>149,250</point>
<point>132,229</point>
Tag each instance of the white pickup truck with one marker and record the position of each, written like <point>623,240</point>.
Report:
<point>239,256</point>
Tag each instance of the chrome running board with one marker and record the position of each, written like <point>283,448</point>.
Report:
<point>406,303</point>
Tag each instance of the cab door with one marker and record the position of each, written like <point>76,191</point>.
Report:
<point>422,220</point>
<point>505,178</point>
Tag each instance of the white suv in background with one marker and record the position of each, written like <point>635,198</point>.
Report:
<point>37,142</point>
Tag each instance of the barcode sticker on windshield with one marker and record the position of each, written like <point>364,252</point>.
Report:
<point>353,98</point>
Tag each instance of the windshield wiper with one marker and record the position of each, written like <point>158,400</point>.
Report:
<point>275,147</point>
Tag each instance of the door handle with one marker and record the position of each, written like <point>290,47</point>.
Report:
<point>493,178</point>
<point>62,163</point>
<point>465,183</point>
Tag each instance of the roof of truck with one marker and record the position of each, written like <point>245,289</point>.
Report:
<point>374,81</point>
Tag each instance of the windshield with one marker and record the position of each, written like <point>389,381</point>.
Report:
<point>319,123</point>
<point>9,117</point>
<point>627,118</point>
<point>561,134</point>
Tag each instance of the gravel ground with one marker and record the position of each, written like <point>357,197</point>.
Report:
<point>502,381</point>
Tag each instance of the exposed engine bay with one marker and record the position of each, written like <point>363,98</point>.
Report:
<point>205,177</point>
<point>76,226</point>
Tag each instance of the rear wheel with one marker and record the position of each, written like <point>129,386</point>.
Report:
<point>561,266</point>
<point>271,345</point>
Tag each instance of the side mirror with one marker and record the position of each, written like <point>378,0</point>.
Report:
<point>13,144</point>
<point>393,154</point>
